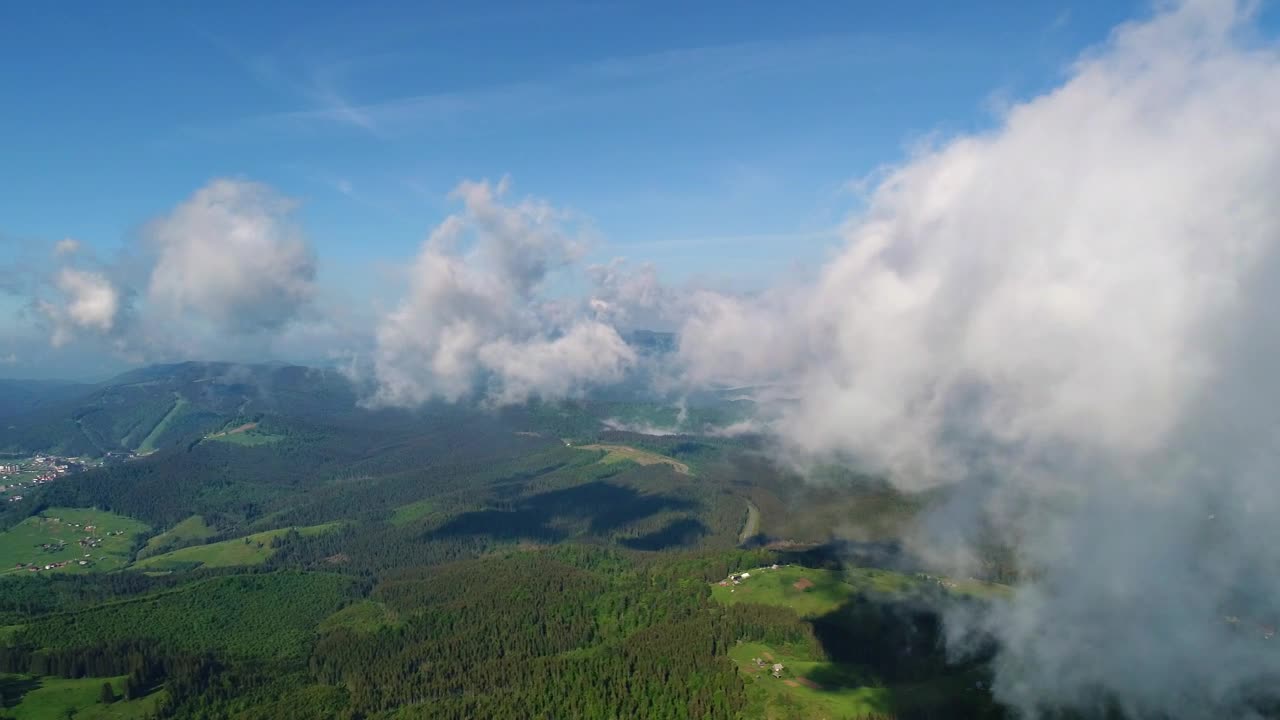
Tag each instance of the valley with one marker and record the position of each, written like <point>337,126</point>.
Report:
<point>290,554</point>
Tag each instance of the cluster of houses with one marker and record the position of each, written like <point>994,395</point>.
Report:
<point>738,578</point>
<point>90,541</point>
<point>50,468</point>
<point>775,670</point>
<point>59,546</point>
<point>37,567</point>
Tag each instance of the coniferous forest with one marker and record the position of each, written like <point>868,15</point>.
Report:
<point>305,558</point>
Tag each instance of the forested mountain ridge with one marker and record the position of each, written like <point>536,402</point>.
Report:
<point>164,405</point>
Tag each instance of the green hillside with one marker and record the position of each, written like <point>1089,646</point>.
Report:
<point>81,698</point>
<point>248,550</point>
<point>69,540</point>
<point>193,530</point>
<point>167,406</point>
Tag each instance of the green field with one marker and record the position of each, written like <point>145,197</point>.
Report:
<point>831,588</point>
<point>406,514</point>
<point>193,528</point>
<point>814,688</point>
<point>248,550</point>
<point>798,693</point>
<point>56,698</point>
<point>621,453</point>
<point>63,530</point>
<point>249,434</point>
<point>777,587</point>
<point>362,616</point>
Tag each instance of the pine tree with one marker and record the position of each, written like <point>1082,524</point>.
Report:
<point>108,695</point>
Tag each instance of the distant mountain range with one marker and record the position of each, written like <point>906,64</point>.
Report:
<point>152,407</point>
<point>166,405</point>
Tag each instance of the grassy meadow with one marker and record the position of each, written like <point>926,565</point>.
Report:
<point>193,529</point>
<point>55,536</point>
<point>248,550</point>
<point>621,453</point>
<point>50,698</point>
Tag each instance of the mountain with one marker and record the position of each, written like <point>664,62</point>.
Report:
<point>163,405</point>
<point>25,396</point>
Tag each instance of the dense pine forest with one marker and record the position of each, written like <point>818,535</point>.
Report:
<point>307,558</point>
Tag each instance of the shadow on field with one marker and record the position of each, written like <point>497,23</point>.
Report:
<point>899,645</point>
<point>13,689</point>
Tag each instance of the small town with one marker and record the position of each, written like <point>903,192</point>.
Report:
<point>19,475</point>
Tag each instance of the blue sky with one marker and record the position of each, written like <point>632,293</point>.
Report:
<point>718,140</point>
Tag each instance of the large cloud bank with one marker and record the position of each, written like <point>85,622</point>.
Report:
<point>1074,318</point>
<point>474,319</point>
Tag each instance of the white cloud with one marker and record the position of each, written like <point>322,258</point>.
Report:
<point>473,312</point>
<point>86,301</point>
<point>66,246</point>
<point>1079,304</point>
<point>207,280</point>
<point>231,256</point>
<point>587,352</point>
<point>632,297</point>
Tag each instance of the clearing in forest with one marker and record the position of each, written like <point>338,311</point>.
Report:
<point>812,592</point>
<point>193,529</point>
<point>618,453</point>
<point>69,540</point>
<point>48,697</point>
<point>825,589</point>
<point>405,514</point>
<point>237,429</point>
<point>794,695</point>
<point>245,434</point>
<point>248,550</point>
<point>363,616</point>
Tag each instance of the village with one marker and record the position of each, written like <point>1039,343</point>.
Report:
<point>90,541</point>
<point>19,475</point>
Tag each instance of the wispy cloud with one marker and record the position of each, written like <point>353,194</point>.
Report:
<point>327,102</point>
<point>339,108</point>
